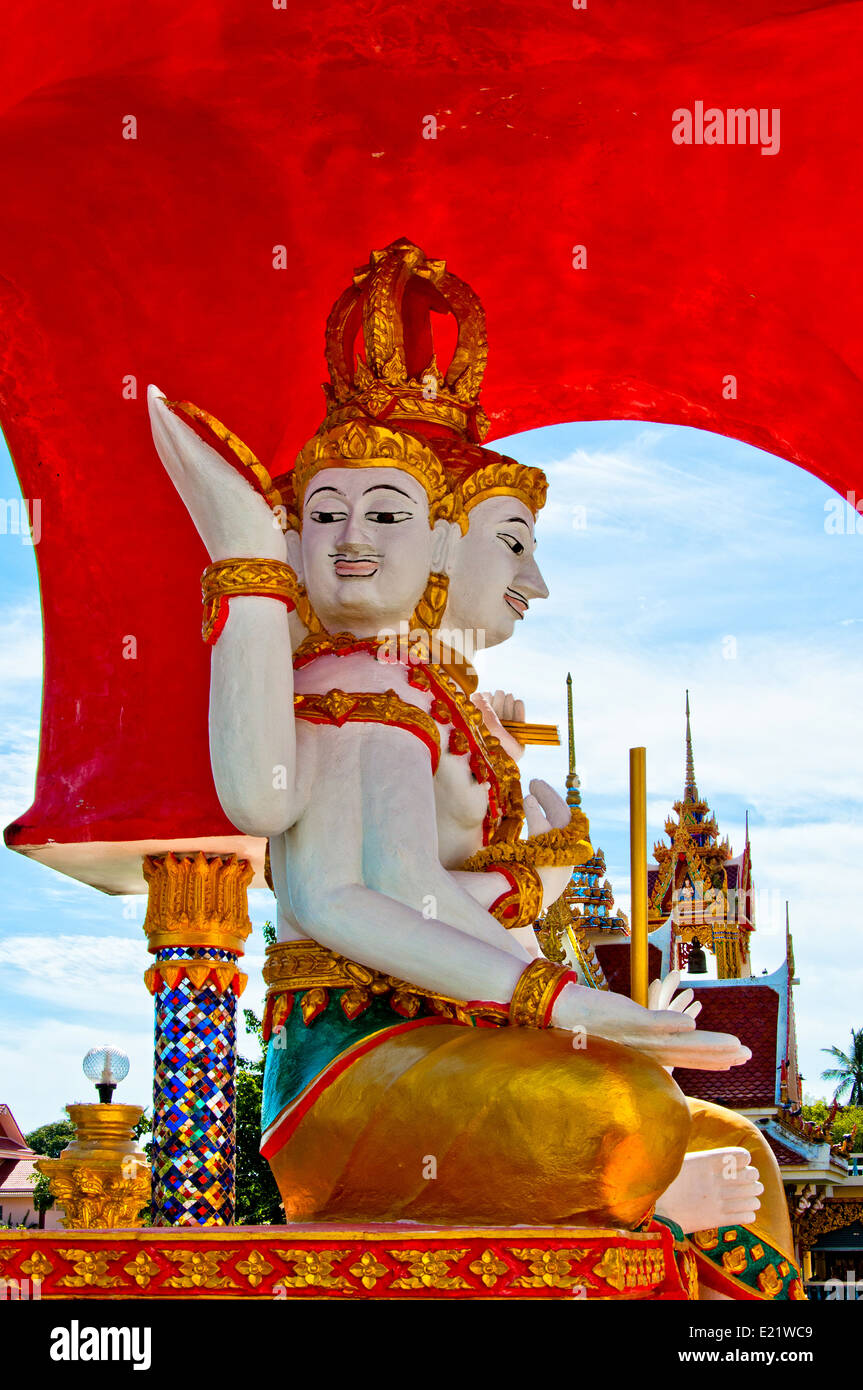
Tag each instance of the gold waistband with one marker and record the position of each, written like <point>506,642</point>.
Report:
<point>298,965</point>
<point>306,967</point>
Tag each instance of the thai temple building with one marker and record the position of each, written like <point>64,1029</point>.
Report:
<point>702,917</point>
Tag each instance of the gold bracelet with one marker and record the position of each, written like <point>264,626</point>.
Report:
<point>521,905</point>
<point>536,991</point>
<point>228,578</point>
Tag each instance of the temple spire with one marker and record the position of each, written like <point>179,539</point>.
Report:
<point>690,791</point>
<point>573,795</point>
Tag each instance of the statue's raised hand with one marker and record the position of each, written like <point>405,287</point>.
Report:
<point>494,709</point>
<point>545,809</point>
<point>232,518</point>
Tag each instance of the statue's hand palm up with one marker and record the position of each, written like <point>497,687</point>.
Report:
<point>668,1035</point>
<point>231,517</point>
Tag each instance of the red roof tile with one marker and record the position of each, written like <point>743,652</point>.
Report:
<point>784,1155</point>
<point>614,959</point>
<point>751,1013</point>
<point>15,1177</point>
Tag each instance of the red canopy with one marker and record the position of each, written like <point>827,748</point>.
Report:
<point>258,127</point>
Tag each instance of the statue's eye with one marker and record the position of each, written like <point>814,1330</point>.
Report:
<point>514,544</point>
<point>327,518</point>
<point>388,518</point>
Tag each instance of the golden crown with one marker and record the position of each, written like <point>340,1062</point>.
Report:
<point>475,474</point>
<point>397,380</point>
<point>356,445</point>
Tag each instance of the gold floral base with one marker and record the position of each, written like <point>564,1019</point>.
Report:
<point>333,1262</point>
<point>102,1178</point>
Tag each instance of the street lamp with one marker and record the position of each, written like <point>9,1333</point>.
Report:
<point>106,1066</point>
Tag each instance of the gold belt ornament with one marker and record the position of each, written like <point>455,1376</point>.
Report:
<point>294,967</point>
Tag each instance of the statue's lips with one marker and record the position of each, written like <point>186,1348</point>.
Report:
<point>518,604</point>
<point>356,568</point>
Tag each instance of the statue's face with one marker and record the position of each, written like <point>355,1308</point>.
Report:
<point>366,548</point>
<point>493,575</point>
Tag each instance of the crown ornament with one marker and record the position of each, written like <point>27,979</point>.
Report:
<point>356,445</point>
<point>395,379</point>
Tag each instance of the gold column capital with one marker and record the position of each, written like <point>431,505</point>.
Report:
<point>102,1178</point>
<point>196,900</point>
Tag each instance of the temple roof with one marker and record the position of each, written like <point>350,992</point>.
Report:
<point>785,1156</point>
<point>16,1179</point>
<point>752,1013</point>
<point>12,1142</point>
<point>17,1159</point>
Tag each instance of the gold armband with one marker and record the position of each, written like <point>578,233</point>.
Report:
<point>521,904</point>
<point>550,849</point>
<point>536,991</point>
<point>228,578</point>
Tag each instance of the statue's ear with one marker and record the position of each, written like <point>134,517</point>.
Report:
<point>295,552</point>
<point>444,536</point>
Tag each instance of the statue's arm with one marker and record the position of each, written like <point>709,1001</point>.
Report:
<point>365,880</point>
<point>252,735</point>
<point>252,732</point>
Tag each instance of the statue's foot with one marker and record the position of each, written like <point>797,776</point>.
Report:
<point>715,1188</point>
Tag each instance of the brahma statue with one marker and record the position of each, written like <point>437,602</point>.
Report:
<point>425,1061</point>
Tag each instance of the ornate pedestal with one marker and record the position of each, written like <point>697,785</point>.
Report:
<point>197,923</point>
<point>369,1262</point>
<point>102,1179</point>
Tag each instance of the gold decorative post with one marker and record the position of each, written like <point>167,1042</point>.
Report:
<point>638,873</point>
<point>102,1179</point>
<point>197,923</point>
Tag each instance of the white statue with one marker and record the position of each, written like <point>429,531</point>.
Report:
<point>411,1017</point>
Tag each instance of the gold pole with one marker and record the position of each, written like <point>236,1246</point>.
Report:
<point>638,873</point>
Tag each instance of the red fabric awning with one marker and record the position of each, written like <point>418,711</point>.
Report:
<point>303,127</point>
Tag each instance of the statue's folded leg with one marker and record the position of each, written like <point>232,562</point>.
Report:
<point>441,1123</point>
<point>754,1261</point>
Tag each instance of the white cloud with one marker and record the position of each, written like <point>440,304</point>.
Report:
<point>20,644</point>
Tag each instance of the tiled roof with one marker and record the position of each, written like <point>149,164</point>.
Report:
<point>732,873</point>
<point>751,1013</point>
<point>651,880</point>
<point>784,1155</point>
<point>614,959</point>
<point>15,1177</point>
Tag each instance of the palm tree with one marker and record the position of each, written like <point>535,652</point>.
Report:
<point>849,1073</point>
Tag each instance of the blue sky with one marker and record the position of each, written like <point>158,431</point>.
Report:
<point>674,558</point>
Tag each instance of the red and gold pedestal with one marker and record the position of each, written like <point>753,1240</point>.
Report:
<point>350,1262</point>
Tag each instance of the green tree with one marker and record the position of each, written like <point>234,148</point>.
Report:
<point>258,1200</point>
<point>843,1123</point>
<point>848,1075</point>
<point>48,1141</point>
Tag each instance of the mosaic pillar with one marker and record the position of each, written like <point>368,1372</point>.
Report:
<point>197,923</point>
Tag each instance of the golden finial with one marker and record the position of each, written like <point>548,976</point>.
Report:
<point>690,791</point>
<point>573,795</point>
